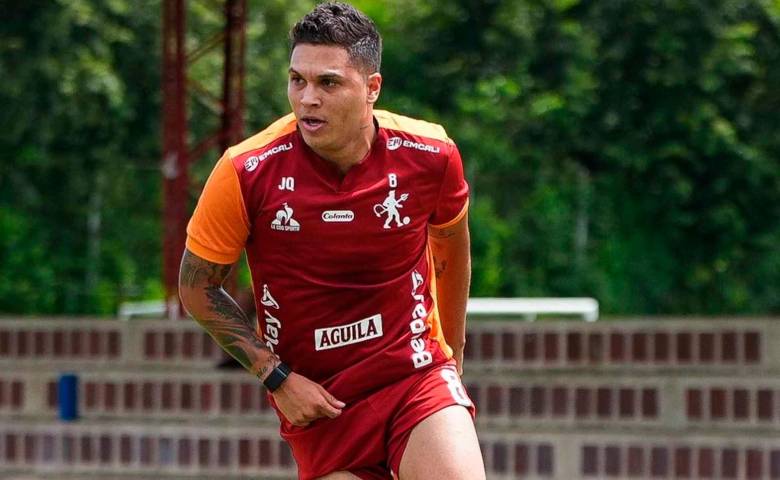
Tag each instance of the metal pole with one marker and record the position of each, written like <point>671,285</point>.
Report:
<point>232,125</point>
<point>175,159</point>
<point>233,80</point>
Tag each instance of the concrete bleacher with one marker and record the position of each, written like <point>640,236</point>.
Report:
<point>638,398</point>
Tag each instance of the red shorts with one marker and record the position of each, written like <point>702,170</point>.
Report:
<point>369,437</point>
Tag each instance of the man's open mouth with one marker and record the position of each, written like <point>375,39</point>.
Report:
<point>311,122</point>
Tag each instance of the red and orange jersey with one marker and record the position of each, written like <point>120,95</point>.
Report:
<point>340,264</point>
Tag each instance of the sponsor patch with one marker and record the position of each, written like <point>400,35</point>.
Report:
<point>419,325</point>
<point>394,143</point>
<point>335,216</point>
<point>284,221</point>
<point>272,324</point>
<point>343,335</point>
<point>252,162</point>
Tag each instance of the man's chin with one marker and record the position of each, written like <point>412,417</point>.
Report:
<point>315,142</point>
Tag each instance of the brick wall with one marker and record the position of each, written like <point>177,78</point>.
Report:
<point>134,448</point>
<point>671,398</point>
<point>693,344</point>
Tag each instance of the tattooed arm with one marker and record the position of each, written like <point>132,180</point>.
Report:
<point>200,287</point>
<point>452,262</point>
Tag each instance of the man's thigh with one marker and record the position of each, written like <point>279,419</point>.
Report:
<point>375,473</point>
<point>444,445</point>
<point>339,476</point>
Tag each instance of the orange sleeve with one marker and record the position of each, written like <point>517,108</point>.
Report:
<point>219,226</point>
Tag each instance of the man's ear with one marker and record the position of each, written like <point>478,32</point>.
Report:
<point>374,84</point>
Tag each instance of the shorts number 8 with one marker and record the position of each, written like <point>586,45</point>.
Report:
<point>456,388</point>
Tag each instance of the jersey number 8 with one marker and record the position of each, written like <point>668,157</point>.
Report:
<point>456,388</point>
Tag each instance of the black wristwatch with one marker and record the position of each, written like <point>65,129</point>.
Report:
<point>277,377</point>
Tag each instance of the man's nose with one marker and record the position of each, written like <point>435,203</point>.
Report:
<point>310,97</point>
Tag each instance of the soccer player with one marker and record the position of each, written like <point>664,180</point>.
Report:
<point>355,225</point>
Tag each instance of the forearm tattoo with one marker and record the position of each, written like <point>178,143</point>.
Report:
<point>222,318</point>
<point>439,267</point>
<point>441,232</point>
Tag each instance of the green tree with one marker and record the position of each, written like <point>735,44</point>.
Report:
<point>79,138</point>
<point>624,150</point>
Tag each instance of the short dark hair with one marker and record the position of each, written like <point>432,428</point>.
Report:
<point>336,23</point>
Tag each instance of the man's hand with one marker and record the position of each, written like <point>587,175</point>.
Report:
<point>303,401</point>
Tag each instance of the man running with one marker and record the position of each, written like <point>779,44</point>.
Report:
<point>361,321</point>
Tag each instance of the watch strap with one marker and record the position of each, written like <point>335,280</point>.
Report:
<point>277,376</point>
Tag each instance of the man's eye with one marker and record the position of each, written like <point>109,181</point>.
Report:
<point>329,82</point>
<point>296,80</point>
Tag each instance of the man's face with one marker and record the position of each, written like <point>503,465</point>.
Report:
<point>331,98</point>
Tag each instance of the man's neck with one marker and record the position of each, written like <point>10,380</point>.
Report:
<point>355,151</point>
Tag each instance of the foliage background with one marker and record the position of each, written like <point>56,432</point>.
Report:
<point>626,150</point>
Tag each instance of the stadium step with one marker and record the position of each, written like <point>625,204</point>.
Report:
<point>732,345</point>
<point>139,448</point>
<point>674,401</point>
<point>671,398</point>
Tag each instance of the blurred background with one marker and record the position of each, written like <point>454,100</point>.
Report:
<point>624,151</point>
<point>627,151</point>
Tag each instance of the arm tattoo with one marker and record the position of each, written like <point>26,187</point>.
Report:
<point>222,318</point>
<point>439,267</point>
<point>195,271</point>
<point>441,232</point>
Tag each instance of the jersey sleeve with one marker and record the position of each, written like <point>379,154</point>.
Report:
<point>219,227</point>
<point>453,200</point>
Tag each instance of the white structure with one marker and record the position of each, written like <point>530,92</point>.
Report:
<point>529,308</point>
